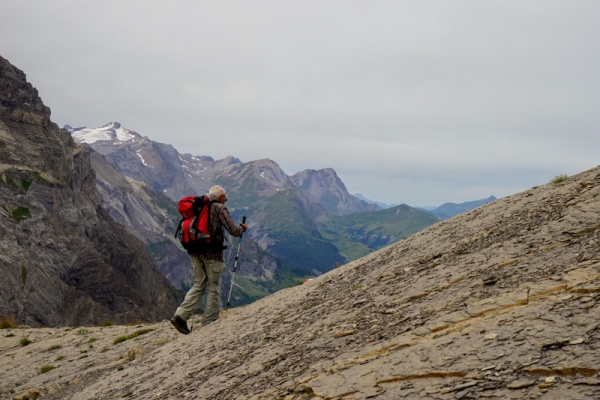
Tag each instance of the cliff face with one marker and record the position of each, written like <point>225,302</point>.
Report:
<point>63,259</point>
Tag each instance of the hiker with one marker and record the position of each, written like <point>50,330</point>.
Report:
<point>207,265</point>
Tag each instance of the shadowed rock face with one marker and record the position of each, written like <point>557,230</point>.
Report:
<point>63,259</point>
<point>500,302</point>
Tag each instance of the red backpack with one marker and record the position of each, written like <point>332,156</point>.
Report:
<point>193,231</point>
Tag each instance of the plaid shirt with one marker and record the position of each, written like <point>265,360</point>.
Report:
<point>218,219</point>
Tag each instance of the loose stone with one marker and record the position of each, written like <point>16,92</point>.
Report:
<point>520,384</point>
<point>465,385</point>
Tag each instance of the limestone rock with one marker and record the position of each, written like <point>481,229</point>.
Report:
<point>520,384</point>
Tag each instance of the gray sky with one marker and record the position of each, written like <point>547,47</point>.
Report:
<point>417,102</point>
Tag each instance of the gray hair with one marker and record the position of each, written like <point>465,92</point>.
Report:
<point>216,191</point>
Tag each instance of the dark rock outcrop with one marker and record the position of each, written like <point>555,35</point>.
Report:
<point>63,259</point>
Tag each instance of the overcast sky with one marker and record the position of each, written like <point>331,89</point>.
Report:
<point>417,102</point>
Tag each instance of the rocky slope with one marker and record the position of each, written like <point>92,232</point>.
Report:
<point>499,302</point>
<point>63,259</point>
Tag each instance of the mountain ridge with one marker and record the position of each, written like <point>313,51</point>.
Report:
<point>449,210</point>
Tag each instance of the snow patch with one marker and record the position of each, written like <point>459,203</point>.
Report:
<point>111,131</point>
<point>141,158</point>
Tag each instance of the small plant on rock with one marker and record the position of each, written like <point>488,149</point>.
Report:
<point>46,368</point>
<point>55,347</point>
<point>11,181</point>
<point>24,342</point>
<point>7,323</point>
<point>559,178</point>
<point>20,214</point>
<point>132,335</point>
<point>25,184</point>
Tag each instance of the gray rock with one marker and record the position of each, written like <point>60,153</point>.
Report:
<point>520,384</point>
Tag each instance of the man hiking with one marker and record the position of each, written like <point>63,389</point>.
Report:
<point>207,265</point>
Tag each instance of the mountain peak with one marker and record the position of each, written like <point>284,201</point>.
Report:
<point>326,186</point>
<point>113,131</point>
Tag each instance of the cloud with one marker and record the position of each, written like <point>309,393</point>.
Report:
<point>429,101</point>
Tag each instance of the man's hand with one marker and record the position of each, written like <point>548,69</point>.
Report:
<point>244,227</point>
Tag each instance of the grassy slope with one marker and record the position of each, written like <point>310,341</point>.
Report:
<point>299,244</point>
<point>357,234</point>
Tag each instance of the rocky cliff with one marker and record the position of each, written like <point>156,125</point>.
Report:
<point>500,302</point>
<point>63,259</point>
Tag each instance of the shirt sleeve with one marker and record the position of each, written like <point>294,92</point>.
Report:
<point>233,228</point>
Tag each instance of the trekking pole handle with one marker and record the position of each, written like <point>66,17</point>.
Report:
<point>243,222</point>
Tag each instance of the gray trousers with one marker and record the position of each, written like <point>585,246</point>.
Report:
<point>206,273</point>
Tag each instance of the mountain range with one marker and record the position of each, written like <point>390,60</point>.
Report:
<point>290,217</point>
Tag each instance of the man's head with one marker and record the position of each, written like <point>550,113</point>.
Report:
<point>217,192</point>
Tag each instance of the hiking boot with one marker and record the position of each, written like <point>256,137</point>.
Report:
<point>180,324</point>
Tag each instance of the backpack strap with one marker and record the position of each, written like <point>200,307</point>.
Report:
<point>179,227</point>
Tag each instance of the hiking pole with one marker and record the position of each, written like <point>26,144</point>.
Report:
<point>237,255</point>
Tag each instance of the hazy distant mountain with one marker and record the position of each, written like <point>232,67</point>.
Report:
<point>381,205</point>
<point>329,190</point>
<point>448,210</point>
